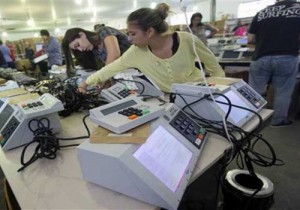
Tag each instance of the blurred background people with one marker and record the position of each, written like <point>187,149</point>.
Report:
<point>7,56</point>
<point>201,30</point>
<point>2,60</point>
<point>241,29</point>
<point>52,48</point>
<point>29,54</point>
<point>11,49</point>
<point>97,27</point>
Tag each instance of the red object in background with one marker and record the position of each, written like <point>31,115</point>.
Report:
<point>12,51</point>
<point>39,53</point>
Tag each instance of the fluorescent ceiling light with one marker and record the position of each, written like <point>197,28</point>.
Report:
<point>153,5</point>
<point>30,22</point>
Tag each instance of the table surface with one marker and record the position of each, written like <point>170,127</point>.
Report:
<point>59,184</point>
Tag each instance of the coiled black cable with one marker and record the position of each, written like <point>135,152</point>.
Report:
<point>47,144</point>
<point>244,146</point>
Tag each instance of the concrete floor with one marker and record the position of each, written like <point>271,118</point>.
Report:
<point>286,143</point>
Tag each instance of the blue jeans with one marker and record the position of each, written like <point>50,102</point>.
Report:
<point>281,70</point>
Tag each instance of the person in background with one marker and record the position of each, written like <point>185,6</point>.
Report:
<point>239,24</point>
<point>12,50</point>
<point>275,32</point>
<point>6,54</point>
<point>200,29</point>
<point>29,54</point>
<point>98,27</point>
<point>107,45</point>
<point>241,29</point>
<point>52,47</point>
<point>3,63</point>
<point>163,56</point>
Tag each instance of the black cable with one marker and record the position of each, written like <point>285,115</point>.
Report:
<point>73,100</point>
<point>128,80</point>
<point>47,143</point>
<point>244,149</point>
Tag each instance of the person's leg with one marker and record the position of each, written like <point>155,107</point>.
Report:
<point>43,67</point>
<point>260,74</point>
<point>11,65</point>
<point>284,80</point>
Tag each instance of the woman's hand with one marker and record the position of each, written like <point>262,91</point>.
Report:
<point>82,87</point>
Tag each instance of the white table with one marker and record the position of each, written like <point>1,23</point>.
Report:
<point>58,183</point>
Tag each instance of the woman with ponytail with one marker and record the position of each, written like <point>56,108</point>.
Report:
<point>165,57</point>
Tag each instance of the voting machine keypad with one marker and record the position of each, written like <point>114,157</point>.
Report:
<point>189,129</point>
<point>133,113</point>
<point>34,105</point>
<point>254,98</point>
<point>125,92</point>
<point>9,129</point>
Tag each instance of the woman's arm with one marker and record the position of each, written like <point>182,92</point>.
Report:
<point>212,66</point>
<point>213,29</point>
<point>107,72</point>
<point>112,48</point>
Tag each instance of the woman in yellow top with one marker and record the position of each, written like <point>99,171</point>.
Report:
<point>162,56</point>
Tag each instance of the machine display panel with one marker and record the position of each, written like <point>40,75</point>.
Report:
<point>236,114</point>
<point>230,54</point>
<point>5,114</point>
<point>118,107</point>
<point>165,157</point>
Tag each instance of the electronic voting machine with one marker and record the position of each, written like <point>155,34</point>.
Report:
<point>125,114</point>
<point>14,119</point>
<point>239,93</point>
<point>156,172</point>
<point>125,89</point>
<point>10,84</point>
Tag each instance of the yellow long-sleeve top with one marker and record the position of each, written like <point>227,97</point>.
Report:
<point>179,68</point>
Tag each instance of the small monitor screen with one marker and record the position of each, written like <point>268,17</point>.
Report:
<point>118,107</point>
<point>1,103</point>
<point>242,41</point>
<point>230,54</point>
<point>165,157</point>
<point>5,114</point>
<point>236,114</point>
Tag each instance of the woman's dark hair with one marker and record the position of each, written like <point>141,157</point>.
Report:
<point>155,18</point>
<point>85,59</point>
<point>197,14</point>
<point>88,60</point>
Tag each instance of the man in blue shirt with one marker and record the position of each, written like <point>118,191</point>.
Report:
<point>7,57</point>
<point>52,48</point>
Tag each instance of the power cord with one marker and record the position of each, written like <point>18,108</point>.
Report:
<point>244,145</point>
<point>73,101</point>
<point>141,92</point>
<point>244,148</point>
<point>184,9</point>
<point>47,143</point>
